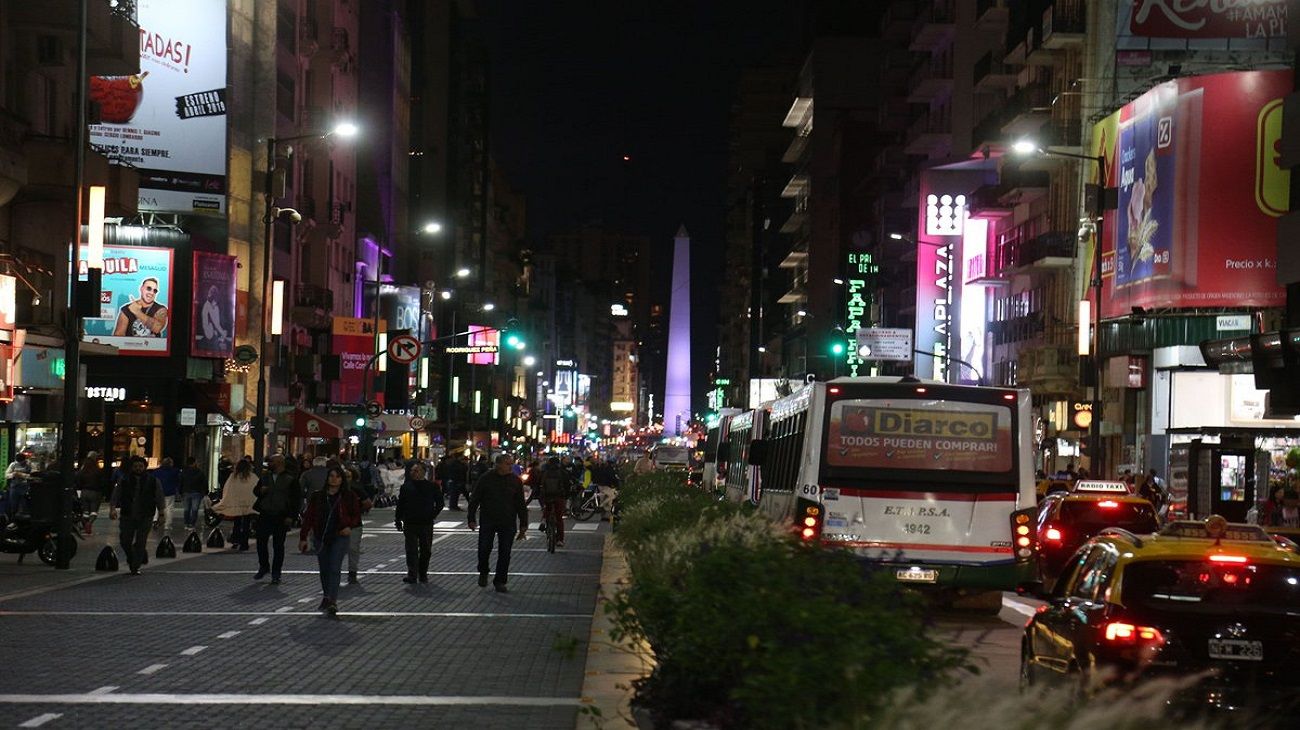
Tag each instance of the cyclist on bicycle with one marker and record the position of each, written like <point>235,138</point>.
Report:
<point>604,477</point>
<point>553,484</point>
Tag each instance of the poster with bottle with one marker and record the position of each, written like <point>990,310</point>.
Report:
<point>1147,171</point>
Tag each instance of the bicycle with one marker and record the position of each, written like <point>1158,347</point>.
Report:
<point>551,527</point>
<point>592,502</point>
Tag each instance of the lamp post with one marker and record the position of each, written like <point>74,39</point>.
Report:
<point>1099,199</point>
<point>344,129</point>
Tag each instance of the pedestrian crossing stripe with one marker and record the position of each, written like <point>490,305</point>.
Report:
<point>584,527</point>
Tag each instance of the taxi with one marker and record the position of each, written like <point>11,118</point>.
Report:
<point>1207,597</point>
<point>1066,520</point>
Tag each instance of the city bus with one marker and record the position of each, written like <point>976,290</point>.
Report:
<point>920,475</point>
<point>735,476</point>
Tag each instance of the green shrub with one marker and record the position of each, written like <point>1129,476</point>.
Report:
<point>752,629</point>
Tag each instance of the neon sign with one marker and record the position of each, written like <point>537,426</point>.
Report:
<point>857,309</point>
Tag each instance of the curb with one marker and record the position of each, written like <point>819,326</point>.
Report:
<point>611,669</point>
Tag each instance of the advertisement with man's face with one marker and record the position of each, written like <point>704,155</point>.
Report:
<point>213,307</point>
<point>1200,190</point>
<point>134,300</point>
<point>920,434</point>
<point>169,121</point>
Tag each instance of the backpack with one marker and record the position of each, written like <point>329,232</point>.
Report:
<point>555,484</point>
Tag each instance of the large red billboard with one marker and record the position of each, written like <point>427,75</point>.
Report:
<point>1200,191</point>
<point>1212,19</point>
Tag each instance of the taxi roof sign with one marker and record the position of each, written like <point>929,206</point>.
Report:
<point>1097,485</point>
<point>1233,531</point>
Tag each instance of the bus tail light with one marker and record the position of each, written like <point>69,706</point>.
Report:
<point>1022,534</point>
<point>810,526</point>
<point>1052,534</point>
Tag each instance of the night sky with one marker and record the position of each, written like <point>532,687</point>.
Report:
<point>578,85</point>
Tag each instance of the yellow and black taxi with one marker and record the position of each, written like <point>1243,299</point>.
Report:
<point>1207,597</point>
<point>1066,520</point>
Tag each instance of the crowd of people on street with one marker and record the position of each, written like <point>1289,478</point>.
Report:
<point>325,499</point>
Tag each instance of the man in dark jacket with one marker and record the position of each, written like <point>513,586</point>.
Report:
<point>137,498</point>
<point>277,502</point>
<point>455,481</point>
<point>418,506</point>
<point>194,487</point>
<point>552,485</point>
<point>500,493</point>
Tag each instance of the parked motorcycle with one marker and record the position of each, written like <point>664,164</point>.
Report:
<point>26,534</point>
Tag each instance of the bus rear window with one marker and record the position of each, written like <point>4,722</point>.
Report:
<point>918,434</point>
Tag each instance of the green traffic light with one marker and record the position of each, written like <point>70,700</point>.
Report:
<point>361,421</point>
<point>837,348</point>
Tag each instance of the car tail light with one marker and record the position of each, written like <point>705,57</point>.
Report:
<point>1108,504</point>
<point>1118,632</point>
<point>1221,558</point>
<point>1052,534</point>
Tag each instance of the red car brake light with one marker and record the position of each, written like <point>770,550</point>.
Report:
<point>1108,504</point>
<point>1052,534</point>
<point>1221,558</point>
<point>1118,632</point>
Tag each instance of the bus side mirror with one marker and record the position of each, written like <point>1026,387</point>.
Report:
<point>723,454</point>
<point>757,452</point>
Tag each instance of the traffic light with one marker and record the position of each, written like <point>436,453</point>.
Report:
<point>360,422</point>
<point>837,347</point>
<point>515,341</point>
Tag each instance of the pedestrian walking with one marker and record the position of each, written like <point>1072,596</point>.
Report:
<point>237,502</point>
<point>455,480</point>
<point>136,501</point>
<point>418,504</point>
<point>90,484</point>
<point>500,495</point>
<point>194,487</point>
<point>170,477</point>
<point>277,503</point>
<point>331,515</point>
<point>364,488</point>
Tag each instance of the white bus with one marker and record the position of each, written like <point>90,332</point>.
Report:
<point>740,480</point>
<point>922,475</point>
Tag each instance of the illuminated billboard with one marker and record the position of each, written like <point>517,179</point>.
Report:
<point>483,335</point>
<point>169,121</point>
<point>212,314</point>
<point>972,322</point>
<point>135,300</point>
<point>1200,192</point>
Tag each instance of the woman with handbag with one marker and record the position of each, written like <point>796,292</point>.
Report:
<point>332,514</point>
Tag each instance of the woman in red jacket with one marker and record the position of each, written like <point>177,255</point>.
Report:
<point>331,514</point>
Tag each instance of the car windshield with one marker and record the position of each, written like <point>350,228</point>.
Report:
<point>1204,586</point>
<point>1136,517</point>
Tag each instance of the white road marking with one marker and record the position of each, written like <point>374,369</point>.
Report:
<point>258,621</point>
<point>1018,606</point>
<point>229,635</point>
<point>368,534</point>
<point>376,571</point>
<point>284,609</point>
<point>193,650</point>
<point>103,690</point>
<point>444,524</point>
<point>585,526</point>
<point>308,599</point>
<point>286,612</point>
<point>285,699</point>
<point>42,719</point>
<point>152,668</point>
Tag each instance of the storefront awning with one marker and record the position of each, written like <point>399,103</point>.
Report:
<point>309,425</point>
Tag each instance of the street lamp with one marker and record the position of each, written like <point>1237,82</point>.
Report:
<point>433,227</point>
<point>343,130</point>
<point>462,273</point>
<point>1099,199</point>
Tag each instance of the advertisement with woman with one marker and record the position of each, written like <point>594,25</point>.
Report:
<point>213,312</point>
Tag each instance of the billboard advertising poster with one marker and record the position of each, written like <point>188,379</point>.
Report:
<point>916,434</point>
<point>1244,19</point>
<point>134,300</point>
<point>481,334</point>
<point>353,340</point>
<point>973,316</point>
<point>169,121</point>
<point>213,307</point>
<point>1200,191</point>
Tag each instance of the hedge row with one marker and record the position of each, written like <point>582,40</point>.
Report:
<point>750,628</point>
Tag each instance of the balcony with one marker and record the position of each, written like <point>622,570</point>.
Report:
<point>112,32</point>
<point>928,83</point>
<point>794,222</point>
<point>794,152</point>
<point>1049,369</point>
<point>993,75</point>
<point>934,26</point>
<point>987,201</point>
<point>1048,252</point>
<point>988,132</point>
<point>928,138</point>
<point>1065,24</point>
<point>794,260</point>
<point>991,15</point>
<point>796,295</point>
<point>312,306</point>
<point>1027,110</point>
<point>1023,185</point>
<point>1016,329</point>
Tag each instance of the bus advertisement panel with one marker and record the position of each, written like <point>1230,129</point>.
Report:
<point>920,435</point>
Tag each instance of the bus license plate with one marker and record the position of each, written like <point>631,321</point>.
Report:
<point>1237,650</point>
<point>916,575</point>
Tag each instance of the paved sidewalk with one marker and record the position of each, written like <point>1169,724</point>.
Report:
<point>196,642</point>
<point>611,667</point>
